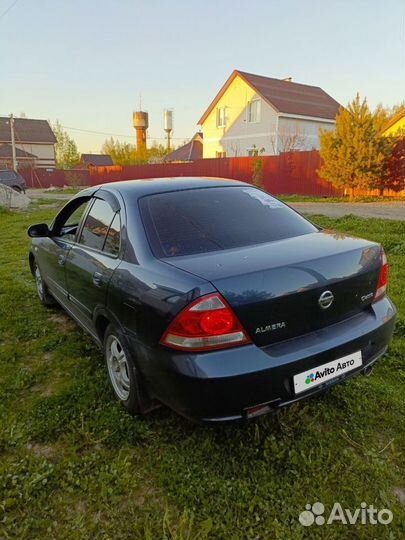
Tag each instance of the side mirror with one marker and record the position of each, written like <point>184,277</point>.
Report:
<point>41,230</point>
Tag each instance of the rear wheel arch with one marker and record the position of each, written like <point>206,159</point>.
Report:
<point>101,324</point>
<point>139,401</point>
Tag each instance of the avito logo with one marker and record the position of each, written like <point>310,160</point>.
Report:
<point>341,366</point>
<point>315,513</point>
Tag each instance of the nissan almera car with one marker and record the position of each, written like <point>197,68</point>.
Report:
<point>211,296</point>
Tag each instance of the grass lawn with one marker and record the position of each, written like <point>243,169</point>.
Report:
<point>74,465</point>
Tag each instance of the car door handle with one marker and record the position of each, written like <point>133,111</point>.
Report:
<point>97,279</point>
<point>61,260</point>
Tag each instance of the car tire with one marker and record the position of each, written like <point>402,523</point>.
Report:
<point>124,376</point>
<point>17,189</point>
<point>45,297</point>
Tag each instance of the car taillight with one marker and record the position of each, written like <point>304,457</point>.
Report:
<point>382,279</point>
<point>207,323</point>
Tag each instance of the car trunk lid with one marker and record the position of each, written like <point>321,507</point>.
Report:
<point>281,289</point>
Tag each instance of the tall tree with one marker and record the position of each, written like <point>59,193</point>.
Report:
<point>66,153</point>
<point>355,152</point>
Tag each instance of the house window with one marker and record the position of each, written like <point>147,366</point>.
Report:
<point>221,117</point>
<point>254,111</point>
<point>220,154</point>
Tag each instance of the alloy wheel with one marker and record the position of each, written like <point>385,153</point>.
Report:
<point>39,283</point>
<point>118,368</point>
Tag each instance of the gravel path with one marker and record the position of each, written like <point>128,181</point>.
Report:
<point>388,210</point>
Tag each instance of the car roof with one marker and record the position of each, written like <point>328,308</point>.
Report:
<point>8,173</point>
<point>149,186</point>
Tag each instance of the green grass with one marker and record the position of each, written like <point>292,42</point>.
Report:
<point>74,465</point>
<point>67,190</point>
<point>357,199</point>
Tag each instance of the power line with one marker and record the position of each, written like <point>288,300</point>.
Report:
<point>8,9</point>
<point>98,132</point>
<point>119,134</point>
<point>109,134</point>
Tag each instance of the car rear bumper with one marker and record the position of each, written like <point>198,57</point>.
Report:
<point>223,385</point>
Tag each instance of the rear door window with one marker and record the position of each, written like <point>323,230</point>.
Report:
<point>212,219</point>
<point>113,239</point>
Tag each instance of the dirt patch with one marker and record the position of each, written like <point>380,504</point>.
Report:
<point>41,450</point>
<point>49,390</point>
<point>46,391</point>
<point>399,492</point>
<point>80,507</point>
<point>64,323</point>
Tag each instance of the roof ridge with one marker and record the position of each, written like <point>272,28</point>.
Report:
<point>278,80</point>
<point>17,118</point>
<point>394,119</point>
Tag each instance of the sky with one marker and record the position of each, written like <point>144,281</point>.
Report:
<point>89,63</point>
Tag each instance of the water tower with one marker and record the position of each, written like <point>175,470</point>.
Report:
<point>140,121</point>
<point>168,125</point>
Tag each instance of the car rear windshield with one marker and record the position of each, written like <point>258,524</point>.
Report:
<point>194,221</point>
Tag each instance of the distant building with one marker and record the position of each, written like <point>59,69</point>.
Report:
<point>396,124</point>
<point>96,160</point>
<point>24,159</point>
<point>252,115</point>
<point>189,152</point>
<point>34,142</point>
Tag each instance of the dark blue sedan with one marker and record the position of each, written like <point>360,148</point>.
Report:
<point>211,296</point>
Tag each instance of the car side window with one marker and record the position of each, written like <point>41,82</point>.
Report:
<point>76,216</point>
<point>113,239</point>
<point>68,221</point>
<point>97,225</point>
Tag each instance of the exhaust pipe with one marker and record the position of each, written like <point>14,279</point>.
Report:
<point>367,371</point>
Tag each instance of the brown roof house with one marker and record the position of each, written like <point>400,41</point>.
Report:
<point>252,114</point>
<point>34,142</point>
<point>96,160</point>
<point>188,152</point>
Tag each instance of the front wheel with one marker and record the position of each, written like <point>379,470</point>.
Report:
<point>123,374</point>
<point>44,295</point>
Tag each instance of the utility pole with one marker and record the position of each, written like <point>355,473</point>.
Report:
<point>13,142</point>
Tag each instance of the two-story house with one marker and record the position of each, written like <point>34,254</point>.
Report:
<point>254,115</point>
<point>34,142</point>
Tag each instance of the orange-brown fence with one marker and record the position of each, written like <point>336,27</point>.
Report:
<point>289,173</point>
<point>44,178</point>
<point>292,173</point>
